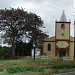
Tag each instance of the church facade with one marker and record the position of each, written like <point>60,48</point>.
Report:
<point>62,44</point>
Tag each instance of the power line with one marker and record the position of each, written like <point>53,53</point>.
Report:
<point>52,7</point>
<point>56,8</point>
<point>58,4</point>
<point>63,3</point>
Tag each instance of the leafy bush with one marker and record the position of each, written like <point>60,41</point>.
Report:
<point>1,69</point>
<point>62,65</point>
<point>23,69</point>
<point>4,52</point>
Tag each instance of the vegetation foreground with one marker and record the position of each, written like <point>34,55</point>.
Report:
<point>37,67</point>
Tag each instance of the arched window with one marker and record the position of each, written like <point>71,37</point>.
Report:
<point>62,26</point>
<point>49,47</point>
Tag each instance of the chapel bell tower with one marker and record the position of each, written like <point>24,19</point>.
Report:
<point>62,36</point>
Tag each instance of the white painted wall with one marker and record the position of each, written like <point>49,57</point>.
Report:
<point>37,53</point>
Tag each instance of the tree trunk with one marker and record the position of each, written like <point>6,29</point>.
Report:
<point>13,47</point>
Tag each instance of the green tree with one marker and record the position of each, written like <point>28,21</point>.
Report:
<point>16,22</point>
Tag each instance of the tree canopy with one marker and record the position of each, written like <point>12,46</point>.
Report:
<point>17,22</point>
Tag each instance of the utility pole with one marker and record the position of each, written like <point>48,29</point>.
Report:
<point>74,40</point>
<point>74,36</point>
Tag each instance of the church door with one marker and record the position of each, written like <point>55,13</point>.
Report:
<point>62,53</point>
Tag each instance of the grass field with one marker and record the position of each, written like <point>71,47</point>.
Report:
<point>12,64</point>
<point>37,67</point>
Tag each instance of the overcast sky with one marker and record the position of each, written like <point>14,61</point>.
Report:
<point>48,10</point>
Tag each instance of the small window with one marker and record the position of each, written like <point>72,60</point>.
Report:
<point>49,47</point>
<point>62,26</point>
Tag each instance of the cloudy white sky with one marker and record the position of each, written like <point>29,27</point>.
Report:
<point>49,10</point>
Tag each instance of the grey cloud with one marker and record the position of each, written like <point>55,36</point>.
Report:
<point>49,10</point>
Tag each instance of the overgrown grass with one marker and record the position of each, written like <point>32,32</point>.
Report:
<point>24,69</point>
<point>46,67</point>
<point>63,67</point>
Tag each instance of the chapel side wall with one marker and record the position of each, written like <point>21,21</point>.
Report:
<point>45,49</point>
<point>72,50</point>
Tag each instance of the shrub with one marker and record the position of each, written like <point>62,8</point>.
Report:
<point>4,52</point>
<point>23,69</point>
<point>1,69</point>
<point>62,65</point>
